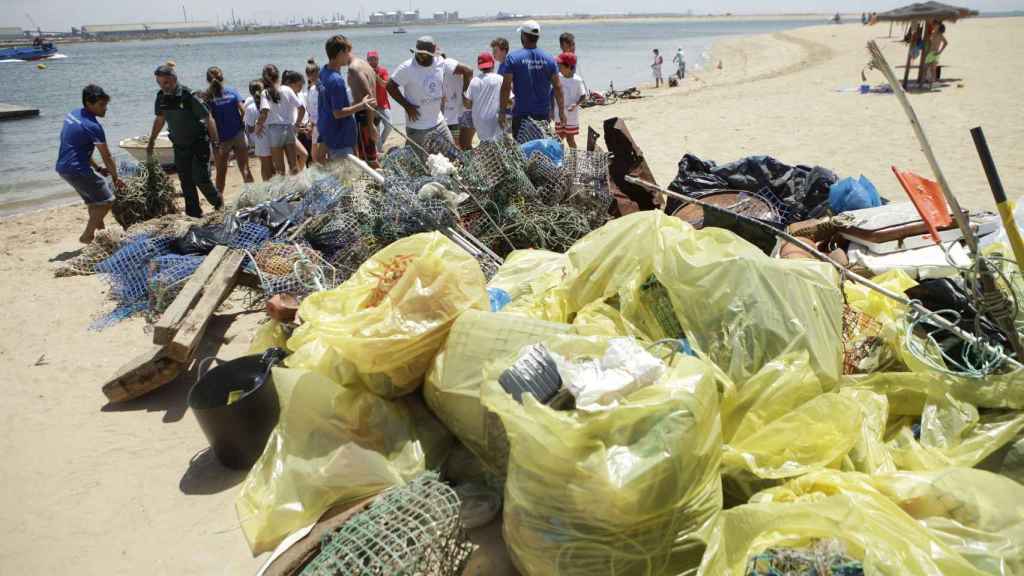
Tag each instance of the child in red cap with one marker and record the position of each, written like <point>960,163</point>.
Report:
<point>572,91</point>
<point>484,98</point>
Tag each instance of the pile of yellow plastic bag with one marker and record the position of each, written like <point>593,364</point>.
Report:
<point>759,443</point>
<point>348,429</point>
<point>383,326</point>
<point>334,445</point>
<point>626,490</point>
<point>954,521</point>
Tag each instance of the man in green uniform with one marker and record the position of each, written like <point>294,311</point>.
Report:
<point>192,129</point>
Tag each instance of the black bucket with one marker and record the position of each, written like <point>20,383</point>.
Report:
<point>238,431</point>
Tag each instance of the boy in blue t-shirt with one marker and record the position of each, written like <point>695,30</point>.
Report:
<point>335,121</point>
<point>81,135</point>
<point>532,75</point>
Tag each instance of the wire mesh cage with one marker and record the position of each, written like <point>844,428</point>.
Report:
<point>530,129</point>
<point>408,530</point>
<point>586,183</point>
<point>547,177</point>
<point>439,141</point>
<point>291,268</point>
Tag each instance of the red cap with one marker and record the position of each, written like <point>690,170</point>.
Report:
<point>372,54</point>
<point>485,61</point>
<point>567,58</point>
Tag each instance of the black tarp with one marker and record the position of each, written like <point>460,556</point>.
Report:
<point>796,192</point>
<point>925,11</point>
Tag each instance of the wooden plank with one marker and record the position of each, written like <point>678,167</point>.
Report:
<point>216,290</point>
<point>167,325</point>
<point>10,111</point>
<point>143,374</point>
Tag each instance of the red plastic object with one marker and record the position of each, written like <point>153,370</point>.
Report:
<point>928,199</point>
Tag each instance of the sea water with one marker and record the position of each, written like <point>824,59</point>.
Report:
<point>618,52</point>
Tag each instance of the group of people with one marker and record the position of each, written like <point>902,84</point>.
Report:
<point>292,119</point>
<point>679,60</point>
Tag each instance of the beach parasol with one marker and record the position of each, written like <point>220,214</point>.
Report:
<point>918,16</point>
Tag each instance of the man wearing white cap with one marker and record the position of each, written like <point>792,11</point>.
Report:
<point>532,75</point>
<point>418,86</point>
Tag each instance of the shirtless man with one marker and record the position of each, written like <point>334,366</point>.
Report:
<point>936,45</point>
<point>362,80</point>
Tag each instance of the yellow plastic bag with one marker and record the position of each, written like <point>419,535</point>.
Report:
<point>333,445</point>
<point>526,270</point>
<point>532,280</point>
<point>601,319</point>
<point>953,433</point>
<point>628,490</point>
<point>384,325</point>
<point>270,334</point>
<point>737,306</point>
<point>452,387</point>
<point>976,513</point>
<point>832,505</point>
<point>784,422</point>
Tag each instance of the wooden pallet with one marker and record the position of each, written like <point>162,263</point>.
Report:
<point>180,329</point>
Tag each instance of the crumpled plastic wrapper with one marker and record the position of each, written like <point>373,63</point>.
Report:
<point>598,384</point>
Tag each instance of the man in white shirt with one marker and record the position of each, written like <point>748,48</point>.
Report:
<point>484,98</point>
<point>418,86</point>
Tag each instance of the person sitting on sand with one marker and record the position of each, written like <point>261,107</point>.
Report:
<point>656,68</point>
<point>192,130</point>
<point>81,134</point>
<point>532,75</point>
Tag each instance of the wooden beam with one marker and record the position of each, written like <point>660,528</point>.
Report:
<point>192,328</point>
<point>167,325</point>
<point>143,374</point>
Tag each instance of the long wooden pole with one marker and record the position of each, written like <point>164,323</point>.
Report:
<point>880,63</point>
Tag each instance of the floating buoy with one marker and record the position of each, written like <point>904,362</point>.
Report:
<point>41,66</point>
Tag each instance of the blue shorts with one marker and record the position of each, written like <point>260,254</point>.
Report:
<point>91,187</point>
<point>336,153</point>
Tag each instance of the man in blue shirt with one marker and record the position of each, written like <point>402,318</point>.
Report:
<point>335,120</point>
<point>532,75</point>
<point>80,135</point>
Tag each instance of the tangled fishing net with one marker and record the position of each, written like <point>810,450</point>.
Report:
<point>823,558</point>
<point>147,193</point>
<point>102,247</point>
<point>411,529</point>
<point>285,268</point>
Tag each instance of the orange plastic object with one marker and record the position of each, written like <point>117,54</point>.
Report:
<point>928,199</point>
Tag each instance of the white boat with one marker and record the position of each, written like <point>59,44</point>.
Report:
<point>162,148</point>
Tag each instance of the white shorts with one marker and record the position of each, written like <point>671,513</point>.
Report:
<point>260,145</point>
<point>279,135</point>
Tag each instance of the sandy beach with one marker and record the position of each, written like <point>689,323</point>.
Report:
<point>129,489</point>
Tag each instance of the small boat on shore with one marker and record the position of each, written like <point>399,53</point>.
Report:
<point>28,53</point>
<point>163,150</point>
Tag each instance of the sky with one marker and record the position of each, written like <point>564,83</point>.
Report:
<point>57,15</point>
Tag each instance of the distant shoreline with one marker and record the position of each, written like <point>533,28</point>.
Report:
<point>473,23</point>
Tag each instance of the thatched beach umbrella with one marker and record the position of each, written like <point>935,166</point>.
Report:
<point>919,17</point>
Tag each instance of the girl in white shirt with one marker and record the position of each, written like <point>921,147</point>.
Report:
<point>312,100</point>
<point>259,141</point>
<point>281,112</point>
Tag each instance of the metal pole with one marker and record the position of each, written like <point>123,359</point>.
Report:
<point>901,298</point>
